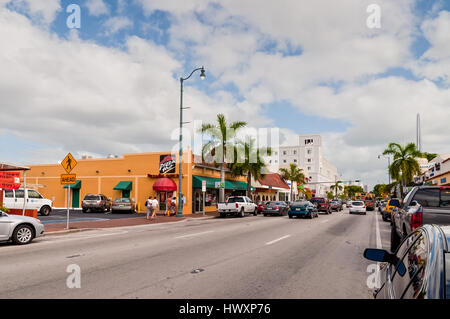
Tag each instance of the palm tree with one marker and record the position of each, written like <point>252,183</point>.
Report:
<point>336,187</point>
<point>405,165</point>
<point>249,161</point>
<point>221,144</point>
<point>293,174</point>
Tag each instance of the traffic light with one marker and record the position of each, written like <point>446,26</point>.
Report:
<point>357,181</point>
<point>340,182</point>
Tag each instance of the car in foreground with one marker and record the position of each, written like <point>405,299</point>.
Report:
<point>21,230</point>
<point>418,268</point>
<point>357,207</point>
<point>237,206</point>
<point>96,202</point>
<point>303,209</point>
<point>276,208</point>
<point>123,204</point>
<point>321,204</point>
<point>422,205</point>
<point>261,206</point>
<point>336,205</point>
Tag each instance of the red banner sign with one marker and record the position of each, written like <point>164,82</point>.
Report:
<point>9,180</point>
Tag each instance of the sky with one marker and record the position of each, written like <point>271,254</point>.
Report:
<point>112,86</point>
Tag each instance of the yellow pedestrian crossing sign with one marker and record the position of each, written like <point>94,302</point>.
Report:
<point>69,163</point>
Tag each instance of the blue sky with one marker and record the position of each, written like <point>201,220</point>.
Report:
<point>302,67</point>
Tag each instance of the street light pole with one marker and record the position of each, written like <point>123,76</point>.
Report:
<point>180,158</point>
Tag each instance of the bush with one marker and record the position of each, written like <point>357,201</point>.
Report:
<point>4,209</point>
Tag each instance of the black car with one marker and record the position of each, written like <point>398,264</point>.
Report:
<point>422,205</point>
<point>276,208</point>
<point>418,269</point>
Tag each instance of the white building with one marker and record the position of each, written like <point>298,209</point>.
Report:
<point>308,156</point>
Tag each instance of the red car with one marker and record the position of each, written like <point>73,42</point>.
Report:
<point>261,206</point>
<point>322,204</point>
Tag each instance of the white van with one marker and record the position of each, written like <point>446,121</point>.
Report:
<point>14,199</point>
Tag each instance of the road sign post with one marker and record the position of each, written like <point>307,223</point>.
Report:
<point>68,179</point>
<point>203,192</point>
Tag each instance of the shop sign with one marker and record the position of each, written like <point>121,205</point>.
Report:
<point>219,185</point>
<point>167,164</point>
<point>203,186</point>
<point>9,180</point>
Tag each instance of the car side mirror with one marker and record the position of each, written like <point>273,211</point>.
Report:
<point>381,255</point>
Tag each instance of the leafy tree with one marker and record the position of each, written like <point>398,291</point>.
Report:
<point>379,189</point>
<point>330,195</point>
<point>222,142</point>
<point>429,156</point>
<point>351,190</point>
<point>337,186</point>
<point>405,164</point>
<point>293,174</point>
<point>249,161</point>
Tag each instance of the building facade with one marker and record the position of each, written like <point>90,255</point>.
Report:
<point>307,154</point>
<point>137,176</point>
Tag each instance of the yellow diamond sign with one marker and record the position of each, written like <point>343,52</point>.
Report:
<point>69,163</point>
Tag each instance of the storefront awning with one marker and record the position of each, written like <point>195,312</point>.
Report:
<point>165,185</point>
<point>211,183</point>
<point>124,186</point>
<point>77,185</point>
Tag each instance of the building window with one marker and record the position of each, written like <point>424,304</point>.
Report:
<point>284,161</point>
<point>284,153</point>
<point>276,161</point>
<point>309,168</point>
<point>309,152</point>
<point>276,153</point>
<point>295,152</point>
<point>295,161</point>
<point>309,160</point>
<point>309,141</point>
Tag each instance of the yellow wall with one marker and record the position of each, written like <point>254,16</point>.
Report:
<point>113,170</point>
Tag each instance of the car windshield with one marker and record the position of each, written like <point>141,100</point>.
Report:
<point>275,204</point>
<point>92,197</point>
<point>394,202</point>
<point>122,200</point>
<point>317,200</point>
<point>235,200</point>
<point>301,203</point>
<point>357,203</point>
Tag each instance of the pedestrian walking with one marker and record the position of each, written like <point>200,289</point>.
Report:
<point>173,206</point>
<point>148,203</point>
<point>155,205</point>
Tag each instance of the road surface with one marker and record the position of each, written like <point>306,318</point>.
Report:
<point>251,257</point>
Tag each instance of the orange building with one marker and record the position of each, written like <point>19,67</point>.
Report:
<point>136,176</point>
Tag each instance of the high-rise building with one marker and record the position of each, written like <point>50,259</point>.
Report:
<point>307,154</point>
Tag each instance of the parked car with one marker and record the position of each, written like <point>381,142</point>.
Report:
<point>382,205</point>
<point>19,229</point>
<point>418,268</point>
<point>276,208</point>
<point>390,205</point>
<point>357,207</point>
<point>261,206</point>
<point>123,204</point>
<point>322,204</point>
<point>303,209</point>
<point>384,214</point>
<point>336,205</point>
<point>422,205</point>
<point>238,206</point>
<point>14,199</point>
<point>96,202</point>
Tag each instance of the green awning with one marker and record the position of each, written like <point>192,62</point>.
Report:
<point>211,183</point>
<point>124,186</point>
<point>77,185</point>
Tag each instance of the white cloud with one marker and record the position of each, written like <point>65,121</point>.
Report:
<point>115,24</point>
<point>97,7</point>
<point>43,10</point>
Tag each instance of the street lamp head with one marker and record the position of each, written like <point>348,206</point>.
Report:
<point>202,74</point>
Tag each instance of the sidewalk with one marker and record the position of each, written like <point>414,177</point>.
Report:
<point>77,226</point>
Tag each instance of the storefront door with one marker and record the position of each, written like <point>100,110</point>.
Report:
<point>198,202</point>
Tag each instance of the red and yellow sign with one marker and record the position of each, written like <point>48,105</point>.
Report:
<point>9,180</point>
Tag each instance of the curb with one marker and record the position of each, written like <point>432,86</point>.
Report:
<point>68,231</point>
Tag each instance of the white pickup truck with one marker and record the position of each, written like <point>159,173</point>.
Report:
<point>237,205</point>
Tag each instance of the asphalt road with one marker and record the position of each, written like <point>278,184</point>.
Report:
<point>253,257</point>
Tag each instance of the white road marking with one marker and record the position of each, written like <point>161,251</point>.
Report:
<point>379,245</point>
<point>277,240</point>
<point>196,234</point>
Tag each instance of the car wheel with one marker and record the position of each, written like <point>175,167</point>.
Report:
<point>290,216</point>
<point>265,215</point>
<point>223,215</point>
<point>84,210</point>
<point>45,210</point>
<point>242,212</point>
<point>255,212</point>
<point>395,239</point>
<point>23,234</point>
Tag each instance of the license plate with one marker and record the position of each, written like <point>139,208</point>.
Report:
<point>298,209</point>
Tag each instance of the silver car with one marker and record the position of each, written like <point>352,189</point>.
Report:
<point>20,229</point>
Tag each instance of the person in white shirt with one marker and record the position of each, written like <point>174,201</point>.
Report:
<point>155,205</point>
<point>148,203</point>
